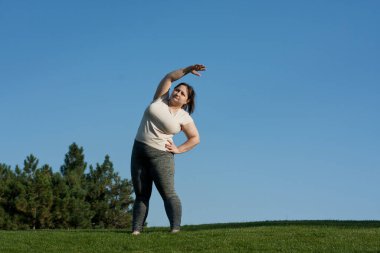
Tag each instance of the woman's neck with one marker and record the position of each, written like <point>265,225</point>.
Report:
<point>174,107</point>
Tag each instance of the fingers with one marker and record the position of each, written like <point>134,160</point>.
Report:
<point>169,145</point>
<point>195,73</point>
<point>199,67</point>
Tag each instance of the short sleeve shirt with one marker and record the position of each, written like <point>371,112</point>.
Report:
<point>159,125</point>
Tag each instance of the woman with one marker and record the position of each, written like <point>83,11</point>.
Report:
<point>153,151</point>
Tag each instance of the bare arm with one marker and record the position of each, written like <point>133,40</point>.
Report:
<point>192,135</point>
<point>167,81</point>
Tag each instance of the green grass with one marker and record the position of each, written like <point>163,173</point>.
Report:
<point>271,236</point>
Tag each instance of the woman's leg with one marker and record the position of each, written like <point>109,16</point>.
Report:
<point>163,177</point>
<point>142,185</point>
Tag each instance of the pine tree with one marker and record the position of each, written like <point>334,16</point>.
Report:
<point>43,188</point>
<point>98,183</point>
<point>6,178</point>
<point>35,197</point>
<point>34,194</point>
<point>17,204</point>
<point>73,171</point>
<point>61,196</point>
<point>28,201</point>
<point>110,197</point>
<point>120,205</point>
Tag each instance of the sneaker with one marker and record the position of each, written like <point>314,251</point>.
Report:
<point>135,232</point>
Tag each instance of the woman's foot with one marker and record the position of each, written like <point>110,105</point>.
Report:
<point>135,232</point>
<point>173,231</point>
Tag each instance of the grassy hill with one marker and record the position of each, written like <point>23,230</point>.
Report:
<point>269,236</point>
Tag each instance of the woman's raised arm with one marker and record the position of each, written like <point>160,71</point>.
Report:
<point>166,82</point>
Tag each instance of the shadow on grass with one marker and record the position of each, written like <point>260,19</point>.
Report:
<point>322,223</point>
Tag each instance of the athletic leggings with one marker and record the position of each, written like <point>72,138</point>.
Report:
<point>150,165</point>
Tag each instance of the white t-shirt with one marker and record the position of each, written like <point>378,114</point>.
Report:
<point>159,125</point>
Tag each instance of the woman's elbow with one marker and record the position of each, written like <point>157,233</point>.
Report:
<point>197,140</point>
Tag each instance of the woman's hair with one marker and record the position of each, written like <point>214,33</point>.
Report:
<point>190,106</point>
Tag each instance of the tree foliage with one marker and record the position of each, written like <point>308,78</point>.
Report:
<point>35,197</point>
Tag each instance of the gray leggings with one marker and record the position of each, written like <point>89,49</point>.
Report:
<point>150,165</point>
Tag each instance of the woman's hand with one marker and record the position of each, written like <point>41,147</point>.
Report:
<point>192,135</point>
<point>171,147</point>
<point>197,67</point>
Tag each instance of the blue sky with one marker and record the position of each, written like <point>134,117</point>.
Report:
<point>288,109</point>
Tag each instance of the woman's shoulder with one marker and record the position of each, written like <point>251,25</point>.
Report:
<point>184,116</point>
<point>162,99</point>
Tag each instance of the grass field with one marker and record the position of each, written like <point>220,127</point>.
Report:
<point>271,236</point>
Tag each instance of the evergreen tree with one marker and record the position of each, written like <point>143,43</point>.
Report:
<point>73,171</point>
<point>17,206</point>
<point>6,178</point>
<point>44,191</point>
<point>120,206</point>
<point>98,195</point>
<point>28,199</point>
<point>61,196</point>
<point>35,197</point>
<point>74,166</point>
<point>110,197</point>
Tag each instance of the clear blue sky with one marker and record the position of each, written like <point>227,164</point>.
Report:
<point>288,110</point>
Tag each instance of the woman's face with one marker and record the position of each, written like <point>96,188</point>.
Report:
<point>179,96</point>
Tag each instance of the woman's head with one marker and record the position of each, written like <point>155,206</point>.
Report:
<point>185,94</point>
